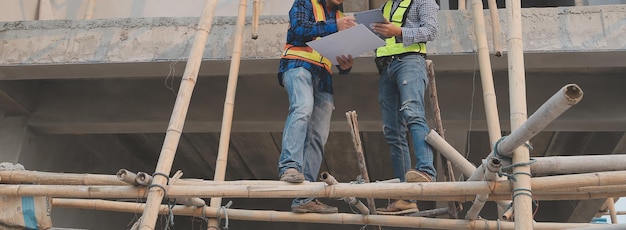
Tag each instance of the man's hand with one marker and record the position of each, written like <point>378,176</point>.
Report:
<point>345,63</point>
<point>345,22</point>
<point>387,29</point>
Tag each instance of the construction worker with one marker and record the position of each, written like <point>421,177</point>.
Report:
<point>403,80</point>
<point>306,76</point>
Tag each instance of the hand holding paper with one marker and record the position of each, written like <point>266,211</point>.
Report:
<point>354,41</point>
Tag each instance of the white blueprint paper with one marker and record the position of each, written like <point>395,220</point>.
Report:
<point>354,41</point>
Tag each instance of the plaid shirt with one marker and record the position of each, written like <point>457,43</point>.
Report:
<point>302,29</point>
<point>421,22</point>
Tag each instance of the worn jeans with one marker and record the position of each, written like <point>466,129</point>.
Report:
<point>307,126</point>
<point>402,86</point>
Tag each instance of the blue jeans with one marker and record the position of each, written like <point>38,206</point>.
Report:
<point>307,126</point>
<point>402,86</point>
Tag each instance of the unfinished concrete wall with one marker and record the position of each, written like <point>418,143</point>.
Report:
<point>559,29</point>
<point>19,10</point>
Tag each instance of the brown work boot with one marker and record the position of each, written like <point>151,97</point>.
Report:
<point>413,176</point>
<point>399,206</point>
<point>292,175</point>
<point>314,206</point>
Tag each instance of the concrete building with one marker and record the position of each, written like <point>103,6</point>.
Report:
<point>95,96</point>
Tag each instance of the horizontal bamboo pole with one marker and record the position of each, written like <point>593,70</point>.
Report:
<point>339,218</point>
<point>320,189</point>
<point>30,177</point>
<point>49,178</point>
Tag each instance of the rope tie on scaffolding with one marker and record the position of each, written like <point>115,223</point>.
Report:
<point>167,182</point>
<point>223,210</point>
<point>512,176</point>
<point>169,221</point>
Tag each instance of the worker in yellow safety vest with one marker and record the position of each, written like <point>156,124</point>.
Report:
<point>306,76</point>
<point>403,80</point>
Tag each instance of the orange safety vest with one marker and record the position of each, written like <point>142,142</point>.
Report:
<point>307,53</point>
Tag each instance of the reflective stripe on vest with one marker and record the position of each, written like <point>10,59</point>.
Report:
<point>307,53</point>
<point>392,47</point>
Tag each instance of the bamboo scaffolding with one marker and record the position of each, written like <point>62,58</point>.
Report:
<point>610,203</point>
<point>91,5</point>
<point>339,218</point>
<point>493,167</point>
<point>256,4</point>
<point>557,104</point>
<point>434,105</point>
<point>495,27</point>
<point>543,165</point>
<point>177,120</point>
<point>229,105</point>
<point>356,139</point>
<point>319,189</point>
<point>352,201</point>
<point>127,176</point>
<point>522,193</point>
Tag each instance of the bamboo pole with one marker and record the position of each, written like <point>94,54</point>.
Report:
<point>495,27</point>
<point>127,176</point>
<point>522,193</point>
<point>461,4</point>
<point>557,104</point>
<point>493,168</point>
<point>91,5</point>
<point>486,76</point>
<point>229,105</point>
<point>434,105</point>
<point>613,181</point>
<point>34,177</point>
<point>360,158</point>
<point>611,206</point>
<point>177,120</point>
<point>256,4</point>
<point>338,218</point>
<point>144,179</point>
<point>44,10</point>
<point>352,201</point>
<point>543,165</point>
<point>432,194</point>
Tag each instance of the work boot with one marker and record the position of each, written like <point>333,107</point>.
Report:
<point>314,206</point>
<point>292,175</point>
<point>399,206</point>
<point>413,176</point>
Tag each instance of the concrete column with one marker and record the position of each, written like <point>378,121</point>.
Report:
<point>13,135</point>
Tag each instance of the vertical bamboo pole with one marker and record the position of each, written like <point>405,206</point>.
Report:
<point>256,4</point>
<point>229,105</point>
<point>356,139</point>
<point>461,4</point>
<point>522,193</point>
<point>495,27</point>
<point>177,120</point>
<point>486,76</point>
<point>91,5</point>
<point>434,105</point>
<point>45,10</point>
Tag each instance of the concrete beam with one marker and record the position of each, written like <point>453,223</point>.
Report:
<point>146,40</point>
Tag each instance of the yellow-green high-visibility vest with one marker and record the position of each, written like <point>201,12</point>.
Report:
<point>392,47</point>
<point>307,53</point>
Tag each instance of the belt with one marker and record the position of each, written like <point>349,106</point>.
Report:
<point>389,59</point>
